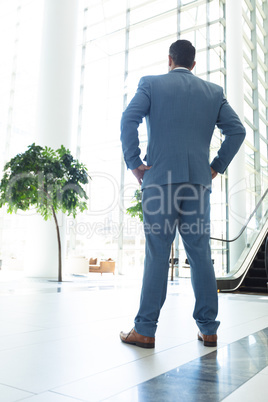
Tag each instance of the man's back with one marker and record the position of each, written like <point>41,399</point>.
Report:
<point>181,113</point>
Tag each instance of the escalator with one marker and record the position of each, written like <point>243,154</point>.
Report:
<point>249,274</point>
<point>255,280</point>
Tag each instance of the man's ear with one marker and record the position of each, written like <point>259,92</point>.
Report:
<point>193,66</point>
<point>169,61</point>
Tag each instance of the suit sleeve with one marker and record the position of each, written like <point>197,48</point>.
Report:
<point>131,119</point>
<point>234,132</point>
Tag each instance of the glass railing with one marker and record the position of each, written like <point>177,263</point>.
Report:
<point>253,233</point>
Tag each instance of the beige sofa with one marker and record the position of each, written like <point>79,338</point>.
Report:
<point>105,266</point>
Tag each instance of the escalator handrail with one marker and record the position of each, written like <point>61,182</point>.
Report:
<point>246,224</point>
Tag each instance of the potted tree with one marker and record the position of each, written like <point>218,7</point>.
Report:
<point>136,209</point>
<point>49,180</point>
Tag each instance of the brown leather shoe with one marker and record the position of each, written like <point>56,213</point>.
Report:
<point>133,338</point>
<point>208,340</point>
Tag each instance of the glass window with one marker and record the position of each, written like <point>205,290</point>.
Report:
<point>216,32</point>
<point>152,30</point>
<point>153,26</point>
<point>149,10</point>
<point>193,17</point>
<point>109,72</point>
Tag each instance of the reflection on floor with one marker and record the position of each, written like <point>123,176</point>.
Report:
<point>208,378</point>
<point>60,343</point>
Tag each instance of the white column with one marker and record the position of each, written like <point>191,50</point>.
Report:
<point>235,96</point>
<point>54,119</point>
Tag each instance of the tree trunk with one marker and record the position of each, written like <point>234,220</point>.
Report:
<point>59,245</point>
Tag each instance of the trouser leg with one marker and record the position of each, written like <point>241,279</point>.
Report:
<point>194,227</point>
<point>163,207</point>
<point>159,226</point>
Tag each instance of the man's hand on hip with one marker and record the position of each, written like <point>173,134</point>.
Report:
<point>213,173</point>
<point>139,172</point>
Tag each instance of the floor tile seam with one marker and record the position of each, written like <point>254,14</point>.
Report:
<point>35,327</point>
<point>11,321</point>
<point>40,329</point>
<point>245,336</point>
<point>134,386</point>
<point>227,344</point>
<point>75,289</point>
<point>65,292</point>
<point>37,343</point>
<point>24,346</point>
<point>99,372</point>
<point>48,291</point>
<point>122,365</point>
<point>87,322</point>
<point>236,293</point>
<point>248,377</point>
<point>261,372</point>
<point>180,345</point>
<point>109,369</point>
<point>80,323</point>
<point>74,336</point>
<point>221,347</point>
<point>126,364</point>
<point>246,322</point>
<point>243,384</point>
<point>165,372</point>
<point>142,382</point>
<point>32,343</point>
<point>234,372</point>
<point>66,395</point>
<point>15,333</point>
<point>251,294</point>
<point>242,298</point>
<point>18,389</point>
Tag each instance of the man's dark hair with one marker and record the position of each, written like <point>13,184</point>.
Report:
<point>182,53</point>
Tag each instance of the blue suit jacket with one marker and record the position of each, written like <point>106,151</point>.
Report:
<point>181,112</point>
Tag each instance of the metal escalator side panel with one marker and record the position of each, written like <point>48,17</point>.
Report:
<point>233,280</point>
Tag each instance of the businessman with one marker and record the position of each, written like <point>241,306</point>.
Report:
<point>181,112</point>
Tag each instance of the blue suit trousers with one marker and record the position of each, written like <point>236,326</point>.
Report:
<point>165,207</point>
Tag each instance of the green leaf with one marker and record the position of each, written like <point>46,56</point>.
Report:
<point>42,177</point>
<point>136,210</point>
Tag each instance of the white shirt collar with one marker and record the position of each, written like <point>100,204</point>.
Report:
<point>180,68</point>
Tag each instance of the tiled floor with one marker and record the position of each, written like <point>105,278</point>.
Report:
<point>60,343</point>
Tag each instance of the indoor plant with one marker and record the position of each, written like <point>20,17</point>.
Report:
<point>49,180</point>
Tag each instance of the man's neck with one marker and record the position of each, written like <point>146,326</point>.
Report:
<point>180,68</point>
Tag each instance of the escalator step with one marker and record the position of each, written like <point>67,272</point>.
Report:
<point>260,255</point>
<point>256,273</point>
<point>262,248</point>
<point>258,263</point>
<point>255,282</point>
